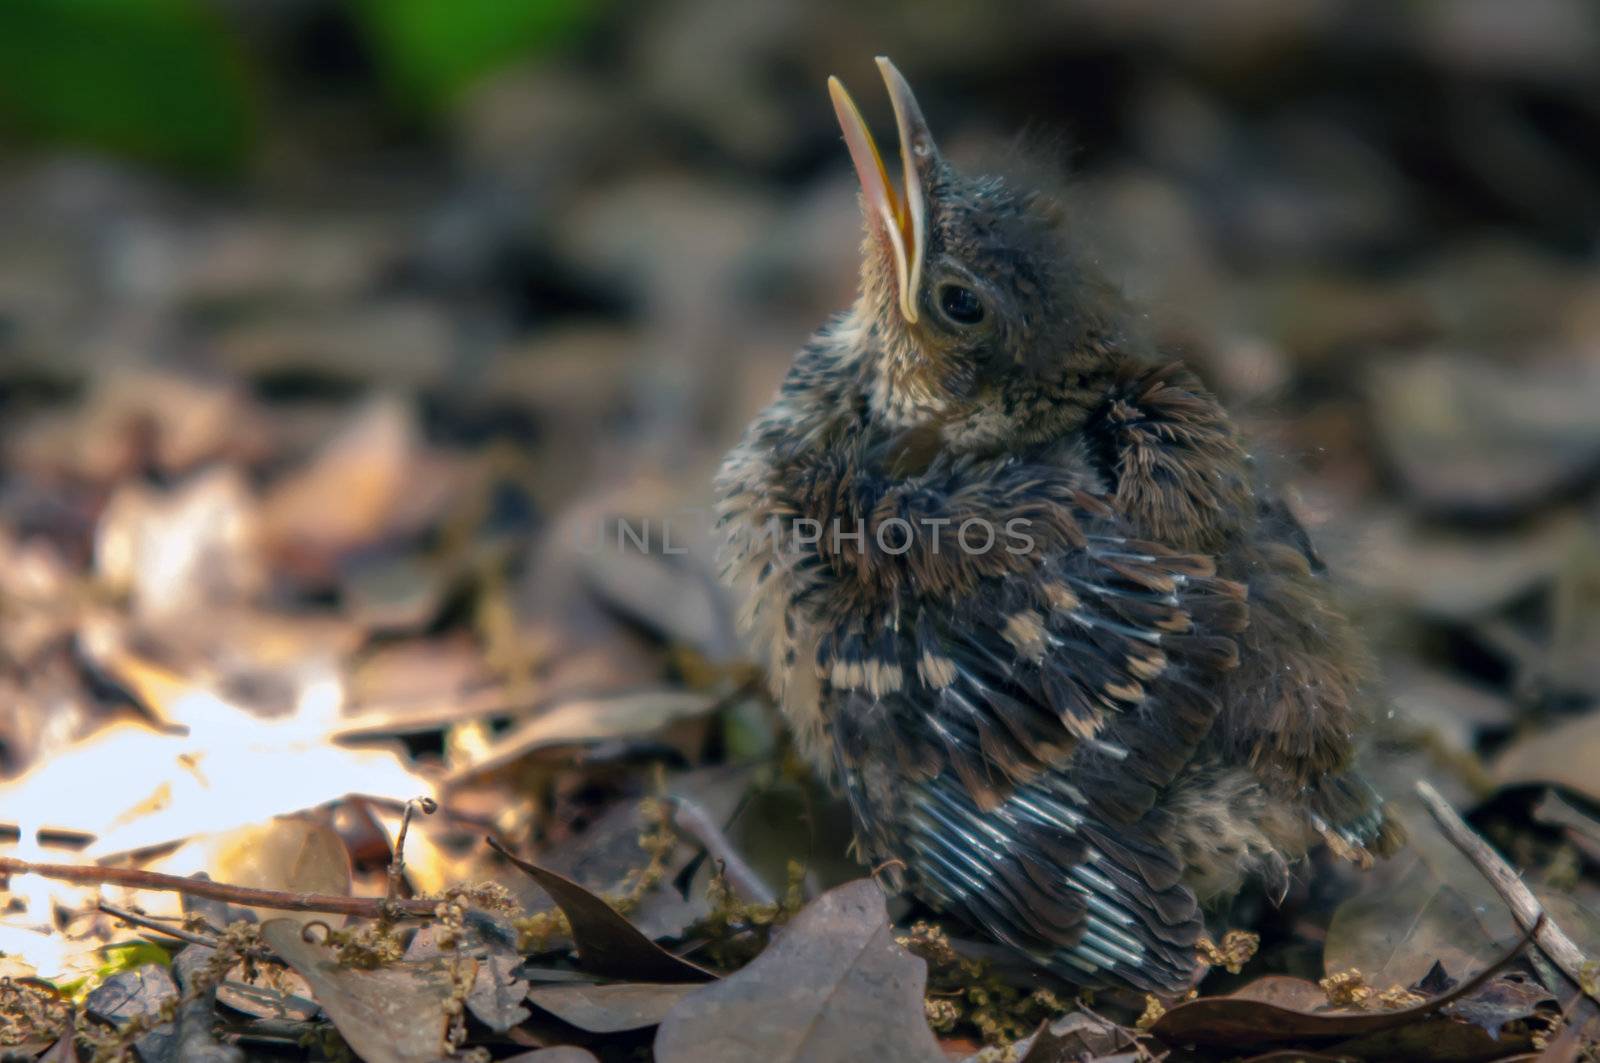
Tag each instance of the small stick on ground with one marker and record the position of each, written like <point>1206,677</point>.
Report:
<point>281,900</point>
<point>397,866</point>
<point>145,922</point>
<point>1525,907</point>
<point>692,820</point>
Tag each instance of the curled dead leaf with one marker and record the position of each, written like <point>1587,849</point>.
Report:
<point>607,943</point>
<point>1278,1012</point>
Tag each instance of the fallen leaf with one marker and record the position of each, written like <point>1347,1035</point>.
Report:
<point>1428,904</point>
<point>375,480</point>
<point>1284,991</point>
<point>269,1002</point>
<point>606,855</point>
<point>1278,1013</point>
<point>497,994</point>
<point>499,989</point>
<point>676,596</point>
<point>1578,915</point>
<point>65,1050</point>
<point>1453,574</point>
<point>1581,829</point>
<point>587,720</point>
<point>128,995</point>
<point>1440,1040</point>
<point>833,985</point>
<point>1073,1037</point>
<point>1564,755</point>
<point>179,421</point>
<point>444,673</point>
<point>557,975</point>
<point>296,854</point>
<point>394,1014</point>
<point>1431,704</point>
<point>559,1054</point>
<point>1507,999</point>
<point>391,590</point>
<point>607,943</point>
<point>611,1008</point>
<point>1476,438</point>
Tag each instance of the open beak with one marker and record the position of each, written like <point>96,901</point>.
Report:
<point>901,214</point>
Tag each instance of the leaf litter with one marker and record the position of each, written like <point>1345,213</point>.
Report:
<point>320,542</point>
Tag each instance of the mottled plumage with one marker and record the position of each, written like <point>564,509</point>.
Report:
<point>1023,595</point>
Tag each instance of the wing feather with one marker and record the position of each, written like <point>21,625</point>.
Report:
<point>1015,770</point>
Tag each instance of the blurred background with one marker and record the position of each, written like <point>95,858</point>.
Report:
<point>332,332</point>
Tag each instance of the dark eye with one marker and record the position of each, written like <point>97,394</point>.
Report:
<point>960,304</point>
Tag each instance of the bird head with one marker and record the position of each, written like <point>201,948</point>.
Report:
<point>971,290</point>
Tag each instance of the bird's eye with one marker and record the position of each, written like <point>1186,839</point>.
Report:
<point>961,305</point>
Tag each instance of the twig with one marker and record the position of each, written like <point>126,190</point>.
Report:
<point>281,900</point>
<point>1525,907</point>
<point>693,821</point>
<point>135,919</point>
<point>397,866</point>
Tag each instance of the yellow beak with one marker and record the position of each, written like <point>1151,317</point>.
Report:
<point>901,215</point>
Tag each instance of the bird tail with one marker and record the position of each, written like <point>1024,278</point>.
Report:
<point>1353,820</point>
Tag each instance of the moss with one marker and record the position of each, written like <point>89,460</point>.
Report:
<point>537,931</point>
<point>30,1013</point>
<point>736,930</point>
<point>238,945</point>
<point>1236,949</point>
<point>1349,989</point>
<point>965,996</point>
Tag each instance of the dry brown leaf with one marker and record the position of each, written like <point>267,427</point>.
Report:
<point>611,1008</point>
<point>559,1054</point>
<point>296,854</point>
<point>608,944</point>
<point>833,985</point>
<point>1472,437</point>
<point>1427,904</point>
<point>1282,1012</point>
<point>179,421</point>
<point>1564,755</point>
<point>371,481</point>
<point>1453,574</point>
<point>394,1014</point>
<point>587,720</point>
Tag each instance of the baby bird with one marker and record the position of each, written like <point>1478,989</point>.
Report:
<point>1024,597</point>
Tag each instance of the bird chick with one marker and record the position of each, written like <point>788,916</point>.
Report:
<point>1024,597</point>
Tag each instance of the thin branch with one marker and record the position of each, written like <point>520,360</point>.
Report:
<point>397,866</point>
<point>693,820</point>
<point>281,900</point>
<point>146,923</point>
<point>1525,907</point>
